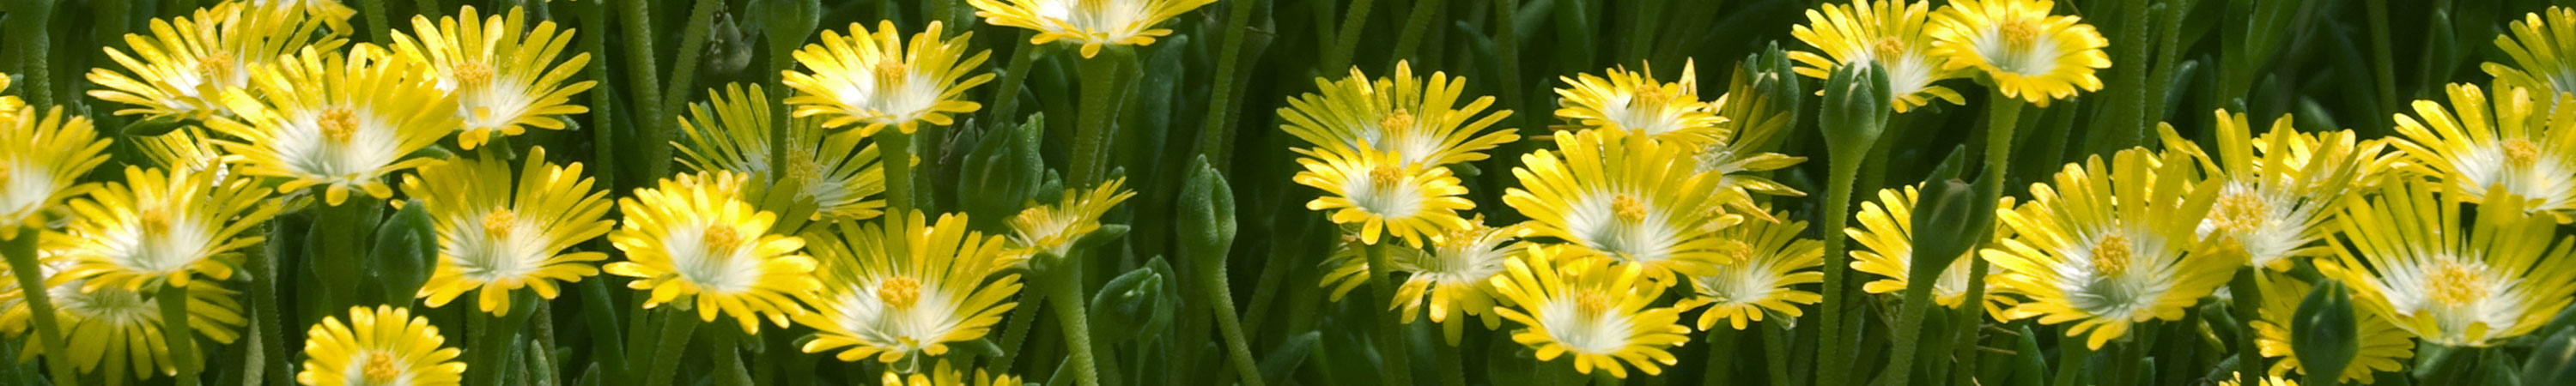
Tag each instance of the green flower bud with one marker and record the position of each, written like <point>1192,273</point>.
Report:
<point>1855,110</point>
<point>1002,172</point>
<point>1951,219</point>
<point>2322,332</point>
<point>1135,303</point>
<point>1207,214</point>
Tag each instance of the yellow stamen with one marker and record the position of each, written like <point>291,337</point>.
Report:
<point>1628,209</point>
<point>1396,122</point>
<point>338,124</point>
<point>1887,48</point>
<point>2455,284</point>
<point>721,239</point>
<point>1738,251</point>
<point>1386,175</point>
<point>471,76</point>
<point>2111,256</point>
<point>154,220</point>
<point>2519,151</point>
<point>899,292</point>
<point>2239,212</point>
<point>1591,303</point>
<point>892,73</point>
<point>379,369</point>
<point>214,66</point>
<point>2020,33</point>
<point>499,223</point>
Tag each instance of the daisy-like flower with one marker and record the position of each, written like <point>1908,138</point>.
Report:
<point>2027,52</point>
<point>382,346</point>
<point>1091,23</point>
<point>2382,344</point>
<point>158,228</point>
<point>1886,237</point>
<point>2538,45</point>
<point>731,132</point>
<point>497,234</point>
<point>1052,230</point>
<point>948,376</point>
<point>1888,33</point>
<point>2109,246</point>
<point>1628,197</point>
<point>1740,158</point>
<point>895,308</point>
<point>114,331</point>
<point>1453,277</point>
<point>1382,195</point>
<point>187,150</point>
<point>2512,147</point>
<point>318,118</point>
<point>694,236</point>
<point>1591,308</point>
<point>9,104</point>
<point>2434,273</point>
<point>40,158</point>
<point>186,65</point>
<point>1769,259</point>
<point>1418,120</point>
<point>874,80</point>
<point>502,75</point>
<point>1347,266</point>
<point>1635,101</point>
<point>2281,188</point>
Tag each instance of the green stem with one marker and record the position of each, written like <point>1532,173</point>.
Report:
<point>1065,289</point>
<point>429,8</point>
<point>1973,317</point>
<point>493,347</point>
<point>175,333</point>
<point>2003,114</point>
<point>1775,350</point>
<point>374,11</point>
<point>2383,68</point>
<point>602,98</point>
<point>2071,355</point>
<point>600,312</point>
<point>36,50</point>
<point>684,69</point>
<point>1006,97</point>
<point>1453,369</point>
<point>729,368</point>
<point>1017,330</point>
<point>1346,43</point>
<point>1507,46</point>
<point>636,21</point>
<point>897,147</point>
<point>1266,291</point>
<point>1834,352</point>
<point>1100,104</point>
<point>676,327</point>
<point>1221,294</point>
<point>2247,302</point>
<point>21,251</point>
<point>341,233</point>
<point>265,316</point>
<point>1909,327</point>
<point>1390,340</point>
<point>1416,25</point>
<point>1216,139</point>
<point>1721,357</point>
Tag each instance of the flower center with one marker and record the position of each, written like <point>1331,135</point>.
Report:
<point>338,124</point>
<point>470,76</point>
<point>1590,304</point>
<point>1627,209</point>
<point>899,292</point>
<point>1651,95</point>
<point>891,74</point>
<point>218,65</point>
<point>498,224</point>
<point>720,240</point>
<point>2239,212</point>
<point>1738,251</point>
<point>1395,122</point>
<point>154,220</point>
<point>379,369</point>
<point>2453,283</point>
<point>1385,177</point>
<point>2519,151</point>
<point>2111,255</point>
<point>1886,48</point>
<point>2020,33</point>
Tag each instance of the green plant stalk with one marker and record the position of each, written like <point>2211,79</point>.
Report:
<point>1266,291</point>
<point>2246,302</point>
<point>684,68</point>
<point>1347,42</point>
<point>491,347</point>
<point>1720,370</point>
<point>782,58</point>
<point>431,8</point>
<point>1453,370</point>
<point>1390,339</point>
<point>1775,352</point>
<point>1214,139</point>
<point>1006,97</point>
<point>637,21</point>
<point>339,261</point>
<point>1909,327</point>
<point>263,300</point>
<point>175,333</point>
<point>1221,295</point>
<point>1973,316</point>
<point>728,356</point>
<point>676,327</point>
<point>601,312</point>
<point>2382,67</point>
<point>2071,355</point>
<point>1100,101</point>
<point>35,51</point>
<point>602,97</point>
<point>1065,288</point>
<point>1017,330</point>
<point>1833,356</point>
<point>1507,46</point>
<point>21,253</point>
<point>374,11</point>
<point>1416,24</point>
<point>897,147</point>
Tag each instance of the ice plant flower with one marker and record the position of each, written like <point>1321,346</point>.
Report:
<point>381,346</point>
<point>1091,23</point>
<point>1453,277</point>
<point>952,288</point>
<point>319,118</point>
<point>2538,45</point>
<point>1886,238</point>
<point>41,158</point>
<point>2450,277</point>
<point>873,80</point>
<point>1887,33</point>
<point>113,331</point>
<point>1381,195</point>
<point>1628,197</point>
<point>187,150</point>
<point>1591,308</point>
<point>2106,247</point>
<point>2281,188</point>
<point>693,236</point>
<point>9,104</point>
<point>1770,261</point>
<point>1635,101</point>
<point>2025,51</point>
<point>2506,146</point>
<point>498,233</point>
<point>1416,119</point>
<point>945,375</point>
<point>502,74</point>
<point>731,131</point>
<point>159,228</point>
<point>186,65</point>
<point>1347,266</point>
<point>1052,230</point>
<point>1740,159</point>
<point>2382,344</point>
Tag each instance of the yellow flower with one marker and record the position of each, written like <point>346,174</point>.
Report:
<point>502,76</point>
<point>1417,120</point>
<point>384,346</point>
<point>874,80</point>
<point>9,104</point>
<point>1052,230</point>
<point>159,228</point>
<point>1740,158</point>
<point>1887,33</point>
<point>1382,195</point>
<point>187,150</point>
<point>1628,197</point>
<point>693,235</point>
<point>1886,237</point>
<point>1092,23</point>
<point>317,118</point>
<point>40,158</point>
<point>2537,44</point>
<point>1769,261</point>
<point>1347,267</point>
<point>948,376</point>
<point>1592,308</point>
<point>2281,188</point>
<point>497,234</point>
<point>2420,264</point>
<point>2382,344</point>
<point>731,132</point>
<point>2025,51</point>
<point>1635,101</point>
<point>951,288</point>
<point>114,331</point>
<point>2108,247</point>
<point>1453,277</point>
<point>2524,149</point>
<point>186,65</point>
<point>2274,380</point>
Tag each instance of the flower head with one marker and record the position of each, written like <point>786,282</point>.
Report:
<point>9,104</point>
<point>1635,101</point>
<point>731,131</point>
<point>188,63</point>
<point>41,156</point>
<point>694,236</point>
<point>2027,52</point>
<point>187,150</point>
<point>1453,277</point>
<point>2382,344</point>
<point>2451,277</point>
<point>1091,23</point>
<point>1769,260</point>
<point>951,288</point>
<point>873,80</point>
<point>319,118</point>
<point>1052,230</point>
<point>948,376</point>
<point>2281,188</point>
<point>1887,33</point>
<point>1381,195</point>
<point>503,75</point>
<point>1886,237</point>
<point>159,228</point>
<point>498,233</point>
<point>382,346</point>
<point>1592,308</point>
<point>114,331</point>
<point>1628,197</point>
<point>1417,120</point>
<point>2107,247</point>
<point>2510,147</point>
<point>2538,45</point>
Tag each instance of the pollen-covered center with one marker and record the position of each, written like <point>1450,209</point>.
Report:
<point>1887,47</point>
<point>2520,151</point>
<point>473,75</point>
<point>153,220</point>
<point>2020,33</point>
<point>215,66</point>
<point>2111,255</point>
<point>378,369</point>
<point>498,224</point>
<point>1628,209</point>
<point>338,124</point>
<point>891,74</point>
<point>1592,303</point>
<point>2238,212</point>
<point>899,292</point>
<point>720,240</point>
<point>2452,283</point>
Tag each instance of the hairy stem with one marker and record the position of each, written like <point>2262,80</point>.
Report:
<point>676,327</point>
<point>1221,295</point>
<point>175,333</point>
<point>1065,291</point>
<point>1347,42</point>
<point>1390,340</point>
<point>21,251</point>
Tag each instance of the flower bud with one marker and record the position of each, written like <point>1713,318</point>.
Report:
<point>1207,214</point>
<point>1951,219</point>
<point>1002,171</point>
<point>2322,332</point>
<point>1855,110</point>
<point>1134,303</point>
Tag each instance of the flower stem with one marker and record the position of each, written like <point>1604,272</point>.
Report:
<point>602,100</point>
<point>1835,352</point>
<point>340,234</point>
<point>1775,353</point>
<point>600,311</point>
<point>21,251</point>
<point>1218,137</point>
<point>174,332</point>
<point>1102,78</point>
<point>2247,301</point>
<point>897,147</point>
<point>1909,327</point>
<point>636,20</point>
<point>676,327</point>
<point>1221,295</point>
<point>1346,43</point>
<point>1017,330</point>
<point>1390,340</point>
<point>2071,355</point>
<point>1065,291</point>
<point>1721,357</point>
<point>492,348</point>
<point>1415,25</point>
<point>684,68</point>
<point>1453,369</point>
<point>1006,96</point>
<point>375,14</point>
<point>35,50</point>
